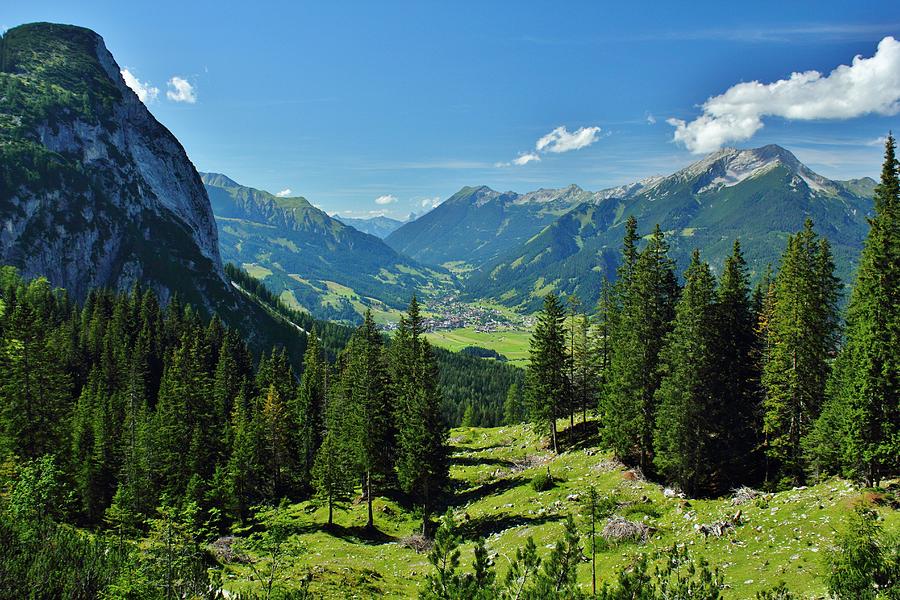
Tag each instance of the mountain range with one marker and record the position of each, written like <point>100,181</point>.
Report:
<point>478,224</point>
<point>526,248</point>
<point>315,262</point>
<point>91,182</point>
<point>380,226</point>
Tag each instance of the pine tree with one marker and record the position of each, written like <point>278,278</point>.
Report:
<point>801,338</point>
<point>688,420</point>
<point>558,577</point>
<point>512,406</point>
<point>737,373</point>
<point>34,388</point>
<point>863,411</point>
<point>547,383</point>
<point>307,408</point>
<point>334,472</point>
<point>366,381</point>
<point>647,291</point>
<point>422,456</point>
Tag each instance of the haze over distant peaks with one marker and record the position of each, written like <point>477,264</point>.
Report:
<point>379,226</point>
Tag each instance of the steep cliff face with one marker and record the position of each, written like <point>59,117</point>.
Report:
<point>94,191</point>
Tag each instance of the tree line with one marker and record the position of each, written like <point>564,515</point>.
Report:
<point>142,405</point>
<point>714,383</point>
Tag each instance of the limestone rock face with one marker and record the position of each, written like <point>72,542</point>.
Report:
<point>94,191</point>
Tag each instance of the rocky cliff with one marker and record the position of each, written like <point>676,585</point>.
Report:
<point>94,191</point>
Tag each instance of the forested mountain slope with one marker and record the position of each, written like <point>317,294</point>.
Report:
<point>315,262</point>
<point>757,196</point>
<point>477,224</point>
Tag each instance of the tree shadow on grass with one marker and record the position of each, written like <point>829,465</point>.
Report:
<point>482,527</point>
<point>582,435</point>
<point>478,460</point>
<point>492,488</point>
<point>358,534</point>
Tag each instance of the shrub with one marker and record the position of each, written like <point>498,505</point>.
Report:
<point>541,482</point>
<point>863,565</point>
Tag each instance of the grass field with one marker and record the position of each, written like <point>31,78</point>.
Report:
<point>781,537</point>
<point>512,344</point>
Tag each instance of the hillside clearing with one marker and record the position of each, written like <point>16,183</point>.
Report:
<point>779,537</point>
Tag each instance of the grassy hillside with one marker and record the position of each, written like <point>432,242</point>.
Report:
<point>782,536</point>
<point>316,263</point>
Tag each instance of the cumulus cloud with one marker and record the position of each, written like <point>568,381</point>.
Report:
<point>386,199</point>
<point>181,90</point>
<point>557,141</point>
<point>561,140</point>
<point>524,159</point>
<point>431,202</point>
<point>146,93</point>
<point>284,193</point>
<point>651,120</point>
<point>866,86</point>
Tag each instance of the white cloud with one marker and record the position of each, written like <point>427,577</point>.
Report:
<point>524,159</point>
<point>181,91</point>
<point>386,199</point>
<point>867,86</point>
<point>651,120</point>
<point>430,202</point>
<point>284,193</point>
<point>561,140</point>
<point>557,141</point>
<point>146,93</point>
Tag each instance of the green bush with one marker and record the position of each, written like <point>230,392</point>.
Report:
<point>864,563</point>
<point>541,482</point>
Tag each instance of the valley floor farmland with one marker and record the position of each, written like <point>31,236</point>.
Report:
<point>511,343</point>
<point>782,537</point>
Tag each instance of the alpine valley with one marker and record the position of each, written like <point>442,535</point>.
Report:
<point>567,240</point>
<point>313,261</point>
<point>682,388</point>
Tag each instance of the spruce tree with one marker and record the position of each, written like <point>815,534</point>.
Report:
<point>801,338</point>
<point>863,410</point>
<point>244,467</point>
<point>572,398</point>
<point>308,404</point>
<point>547,384</point>
<point>512,406</point>
<point>334,473</point>
<point>277,443</point>
<point>34,388</point>
<point>586,367</point>
<point>647,291</point>
<point>737,374</point>
<point>422,456</point>
<point>366,381</point>
<point>689,417</point>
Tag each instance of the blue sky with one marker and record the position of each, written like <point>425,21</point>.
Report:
<point>386,106</point>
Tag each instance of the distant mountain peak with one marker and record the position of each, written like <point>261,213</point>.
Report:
<point>219,180</point>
